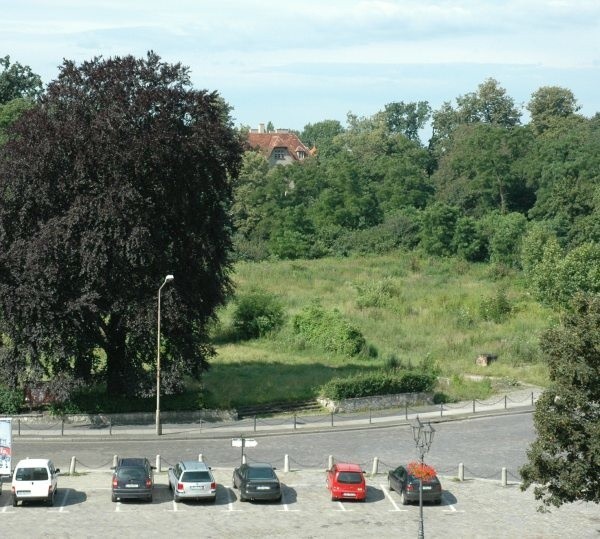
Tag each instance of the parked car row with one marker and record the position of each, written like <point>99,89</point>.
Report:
<point>133,477</point>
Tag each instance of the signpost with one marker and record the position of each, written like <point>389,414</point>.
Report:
<point>243,442</point>
<point>5,445</point>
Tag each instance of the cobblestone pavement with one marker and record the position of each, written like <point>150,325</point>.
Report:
<point>470,509</point>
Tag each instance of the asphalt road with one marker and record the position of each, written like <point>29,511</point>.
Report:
<point>484,445</point>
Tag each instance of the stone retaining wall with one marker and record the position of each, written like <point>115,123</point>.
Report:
<point>379,402</point>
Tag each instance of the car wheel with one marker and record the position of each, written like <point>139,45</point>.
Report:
<point>176,498</point>
<point>50,500</point>
<point>113,497</point>
<point>403,499</point>
<point>233,482</point>
<point>15,501</point>
<point>390,485</point>
<point>438,502</point>
<point>149,499</point>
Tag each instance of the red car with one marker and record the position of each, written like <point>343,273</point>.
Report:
<point>346,482</point>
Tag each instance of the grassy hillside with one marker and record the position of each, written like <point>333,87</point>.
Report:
<point>410,308</point>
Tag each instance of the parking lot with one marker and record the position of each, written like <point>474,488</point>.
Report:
<point>474,508</point>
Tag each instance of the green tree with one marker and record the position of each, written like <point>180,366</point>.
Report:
<point>550,103</point>
<point>438,229</point>
<point>17,81</point>
<point>117,177</point>
<point>321,135</point>
<point>407,118</point>
<point>564,460</point>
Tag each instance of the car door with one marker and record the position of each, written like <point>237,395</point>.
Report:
<point>402,479</point>
<point>330,477</point>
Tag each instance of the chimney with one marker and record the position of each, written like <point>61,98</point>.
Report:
<point>261,128</point>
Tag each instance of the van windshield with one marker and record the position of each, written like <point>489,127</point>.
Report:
<point>32,474</point>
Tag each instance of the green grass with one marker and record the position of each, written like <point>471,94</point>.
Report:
<point>408,306</point>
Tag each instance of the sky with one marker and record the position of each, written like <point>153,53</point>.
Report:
<point>301,62</point>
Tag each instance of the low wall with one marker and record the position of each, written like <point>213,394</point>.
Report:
<point>133,418</point>
<point>379,402</point>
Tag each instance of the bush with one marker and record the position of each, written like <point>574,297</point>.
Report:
<point>257,314</point>
<point>329,330</point>
<point>378,383</point>
<point>11,401</point>
<point>376,293</point>
<point>496,308</point>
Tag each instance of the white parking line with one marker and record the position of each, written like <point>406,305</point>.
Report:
<point>341,505</point>
<point>452,508</point>
<point>389,497</point>
<point>230,508</point>
<point>64,502</point>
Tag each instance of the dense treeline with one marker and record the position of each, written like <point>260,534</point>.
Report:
<point>484,185</point>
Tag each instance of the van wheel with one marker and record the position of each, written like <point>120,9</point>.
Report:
<point>50,500</point>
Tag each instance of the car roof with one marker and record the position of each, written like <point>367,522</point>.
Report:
<point>348,467</point>
<point>33,462</point>
<point>132,461</point>
<point>193,465</point>
<point>259,465</point>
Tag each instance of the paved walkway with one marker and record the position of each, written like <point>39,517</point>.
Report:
<point>517,401</point>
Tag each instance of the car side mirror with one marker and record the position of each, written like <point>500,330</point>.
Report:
<point>153,467</point>
<point>57,470</point>
<point>113,467</point>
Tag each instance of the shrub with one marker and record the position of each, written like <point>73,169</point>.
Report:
<point>11,401</point>
<point>495,308</point>
<point>378,383</point>
<point>257,314</point>
<point>376,293</point>
<point>329,330</point>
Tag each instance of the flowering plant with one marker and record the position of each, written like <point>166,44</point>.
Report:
<point>421,470</point>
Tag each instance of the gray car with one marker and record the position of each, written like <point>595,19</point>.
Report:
<point>192,480</point>
<point>257,481</point>
<point>132,478</point>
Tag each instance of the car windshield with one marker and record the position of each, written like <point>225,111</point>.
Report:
<point>32,474</point>
<point>198,476</point>
<point>260,473</point>
<point>129,474</point>
<point>350,477</point>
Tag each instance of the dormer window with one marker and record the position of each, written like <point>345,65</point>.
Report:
<point>279,154</point>
<point>301,154</point>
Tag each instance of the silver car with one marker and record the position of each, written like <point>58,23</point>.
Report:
<point>192,480</point>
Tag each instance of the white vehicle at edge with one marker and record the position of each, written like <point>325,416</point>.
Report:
<point>34,479</point>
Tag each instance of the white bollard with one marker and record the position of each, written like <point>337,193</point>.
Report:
<point>72,466</point>
<point>375,466</point>
<point>115,460</point>
<point>504,477</point>
<point>200,457</point>
<point>286,463</point>
<point>461,471</point>
<point>330,462</point>
<point>243,459</point>
<point>158,464</point>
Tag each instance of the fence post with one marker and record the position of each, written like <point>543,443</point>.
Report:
<point>441,409</point>
<point>72,466</point>
<point>200,457</point>
<point>330,462</point>
<point>332,419</point>
<point>531,403</point>
<point>461,471</point>
<point>505,402</point>
<point>504,477</point>
<point>294,420</point>
<point>62,427</point>
<point>473,405</point>
<point>158,464</point>
<point>254,423</point>
<point>406,411</point>
<point>19,422</point>
<point>286,463</point>
<point>110,426</point>
<point>243,459</point>
<point>375,468</point>
<point>200,423</point>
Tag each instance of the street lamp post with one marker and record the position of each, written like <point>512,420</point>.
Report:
<point>158,424</point>
<point>423,435</point>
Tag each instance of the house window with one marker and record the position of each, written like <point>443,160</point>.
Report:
<point>301,154</point>
<point>279,153</point>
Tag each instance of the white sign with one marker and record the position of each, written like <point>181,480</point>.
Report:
<point>5,445</point>
<point>243,442</point>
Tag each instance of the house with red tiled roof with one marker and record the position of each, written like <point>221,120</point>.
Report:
<point>280,147</point>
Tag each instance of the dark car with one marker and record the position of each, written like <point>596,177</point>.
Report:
<point>132,478</point>
<point>407,486</point>
<point>257,481</point>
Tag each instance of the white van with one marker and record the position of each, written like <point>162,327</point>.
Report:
<point>34,479</point>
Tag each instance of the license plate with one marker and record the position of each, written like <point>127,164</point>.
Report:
<point>131,485</point>
<point>349,494</point>
<point>23,491</point>
<point>262,488</point>
<point>197,487</point>
<point>426,488</point>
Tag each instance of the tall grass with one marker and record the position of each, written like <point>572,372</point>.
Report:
<point>407,306</point>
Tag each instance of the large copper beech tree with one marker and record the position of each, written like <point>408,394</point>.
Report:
<point>120,175</point>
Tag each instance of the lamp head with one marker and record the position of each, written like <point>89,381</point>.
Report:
<point>169,278</point>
